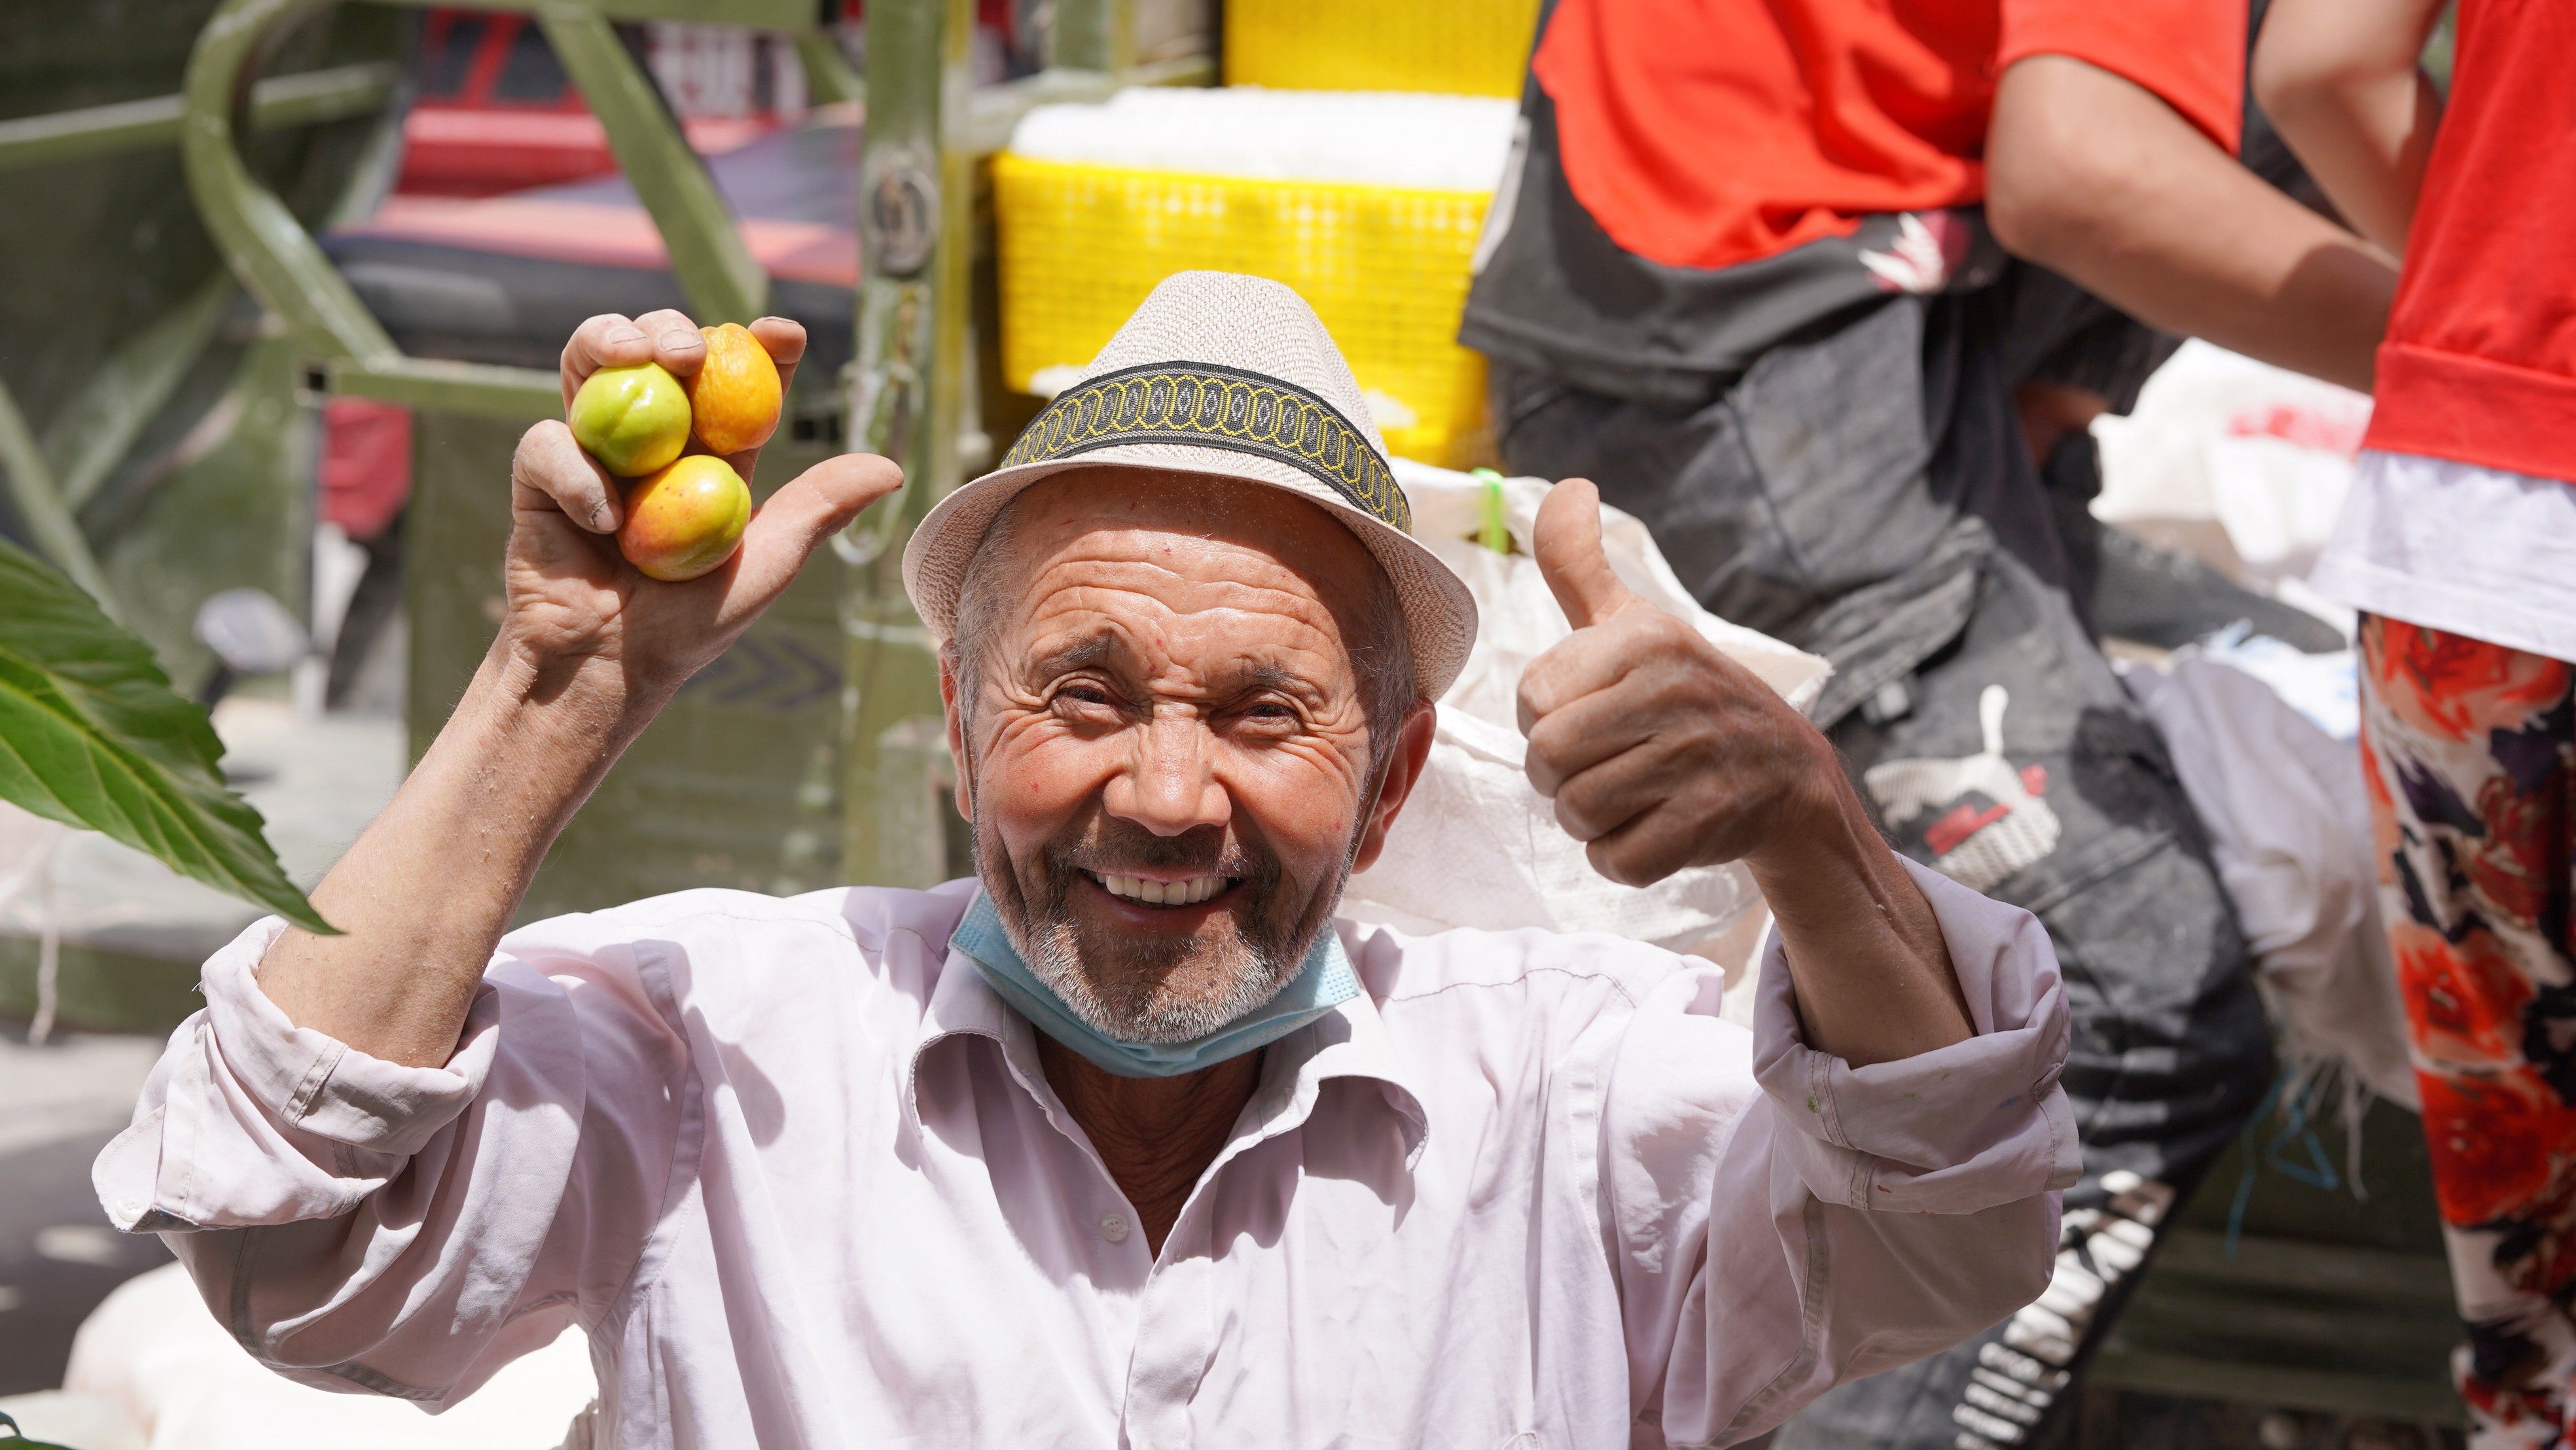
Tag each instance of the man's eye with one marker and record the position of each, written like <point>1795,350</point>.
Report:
<point>1270,710</point>
<point>1084,695</point>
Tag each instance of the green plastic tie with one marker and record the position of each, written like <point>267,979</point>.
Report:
<point>1493,528</point>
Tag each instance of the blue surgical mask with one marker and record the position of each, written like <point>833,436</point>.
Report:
<point>1323,982</point>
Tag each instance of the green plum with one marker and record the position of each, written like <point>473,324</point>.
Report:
<point>632,419</point>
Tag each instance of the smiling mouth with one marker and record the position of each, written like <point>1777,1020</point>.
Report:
<point>1145,892</point>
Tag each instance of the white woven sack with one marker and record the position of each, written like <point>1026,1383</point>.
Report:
<point>1476,845</point>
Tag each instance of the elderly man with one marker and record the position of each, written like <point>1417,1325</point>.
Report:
<point>1127,1142</point>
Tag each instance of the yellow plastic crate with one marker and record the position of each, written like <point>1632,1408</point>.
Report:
<point>1463,47</point>
<point>1384,267</point>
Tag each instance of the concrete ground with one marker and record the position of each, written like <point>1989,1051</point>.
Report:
<point>59,1104</point>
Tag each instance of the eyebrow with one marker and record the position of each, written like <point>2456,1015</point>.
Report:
<point>1105,646</point>
<point>1082,654</point>
<point>1258,675</point>
<point>1252,676</point>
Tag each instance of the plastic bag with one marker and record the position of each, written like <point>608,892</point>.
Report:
<point>2289,829</point>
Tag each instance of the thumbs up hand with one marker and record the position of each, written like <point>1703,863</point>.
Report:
<point>1659,751</point>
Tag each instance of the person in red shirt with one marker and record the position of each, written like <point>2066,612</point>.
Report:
<point>2458,545</point>
<point>1825,292</point>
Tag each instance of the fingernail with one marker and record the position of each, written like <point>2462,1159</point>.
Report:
<point>679,339</point>
<point>599,517</point>
<point>626,334</point>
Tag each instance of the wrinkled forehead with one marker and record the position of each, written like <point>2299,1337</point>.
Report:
<point>1190,542</point>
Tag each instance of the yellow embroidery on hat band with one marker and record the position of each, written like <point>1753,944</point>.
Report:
<point>1208,406</point>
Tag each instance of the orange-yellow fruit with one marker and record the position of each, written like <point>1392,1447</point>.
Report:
<point>733,400</point>
<point>685,519</point>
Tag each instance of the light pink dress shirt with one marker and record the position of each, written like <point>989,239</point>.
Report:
<point>795,1170</point>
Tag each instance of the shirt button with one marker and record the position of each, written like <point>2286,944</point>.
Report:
<point>1114,1228</point>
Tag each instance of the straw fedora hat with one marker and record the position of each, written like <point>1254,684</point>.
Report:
<point>1233,377</point>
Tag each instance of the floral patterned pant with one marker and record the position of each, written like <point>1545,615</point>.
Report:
<point>2467,749</point>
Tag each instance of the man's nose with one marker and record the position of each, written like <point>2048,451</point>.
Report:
<point>1171,786</point>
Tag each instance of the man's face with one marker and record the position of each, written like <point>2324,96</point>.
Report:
<point>1165,754</point>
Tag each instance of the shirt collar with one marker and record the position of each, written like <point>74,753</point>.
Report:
<point>1350,1041</point>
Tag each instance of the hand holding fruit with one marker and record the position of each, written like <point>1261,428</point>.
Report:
<point>683,516</point>
<point>627,385</point>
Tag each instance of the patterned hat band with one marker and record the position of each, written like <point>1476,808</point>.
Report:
<point>1207,406</point>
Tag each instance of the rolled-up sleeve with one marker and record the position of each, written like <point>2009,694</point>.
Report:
<point>1786,1221</point>
<point>360,1225</point>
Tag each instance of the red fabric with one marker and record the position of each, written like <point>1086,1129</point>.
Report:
<point>2480,361</point>
<point>1702,133</point>
<point>366,464</point>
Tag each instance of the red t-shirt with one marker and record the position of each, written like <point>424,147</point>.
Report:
<point>1702,133</point>
<point>2480,362</point>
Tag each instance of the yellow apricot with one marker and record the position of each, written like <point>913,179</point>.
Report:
<point>734,398</point>
<point>686,519</point>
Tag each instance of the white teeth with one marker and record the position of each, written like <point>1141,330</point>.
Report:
<point>1163,893</point>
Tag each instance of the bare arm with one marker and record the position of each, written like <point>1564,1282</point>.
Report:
<point>2093,176</point>
<point>2340,80</point>
<point>589,650</point>
<point>1662,753</point>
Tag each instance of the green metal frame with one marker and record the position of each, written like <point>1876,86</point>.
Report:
<point>912,393</point>
<point>39,497</point>
<point>94,431</point>
<point>915,195</point>
<point>282,265</point>
<point>912,384</point>
<point>275,104</point>
<point>714,268</point>
<point>49,479</point>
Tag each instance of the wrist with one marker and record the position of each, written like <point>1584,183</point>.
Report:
<point>550,727</point>
<point>1812,822</point>
<point>1866,953</point>
<point>586,695</point>
<point>1823,863</point>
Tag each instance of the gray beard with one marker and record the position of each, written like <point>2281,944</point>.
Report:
<point>1131,1005</point>
<point>1146,991</point>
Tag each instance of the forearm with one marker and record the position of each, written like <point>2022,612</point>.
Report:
<point>1865,952</point>
<point>427,890</point>
<point>2339,80</point>
<point>2149,215</point>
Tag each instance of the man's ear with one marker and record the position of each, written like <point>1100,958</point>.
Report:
<point>960,759</point>
<point>1411,750</point>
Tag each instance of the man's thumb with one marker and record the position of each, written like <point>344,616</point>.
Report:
<point>807,510</point>
<point>1567,545</point>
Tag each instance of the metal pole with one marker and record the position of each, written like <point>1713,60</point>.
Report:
<point>275,104</point>
<point>1093,35</point>
<point>715,270</point>
<point>40,503</point>
<point>916,192</point>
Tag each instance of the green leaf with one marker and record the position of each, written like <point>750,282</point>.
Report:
<point>92,735</point>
